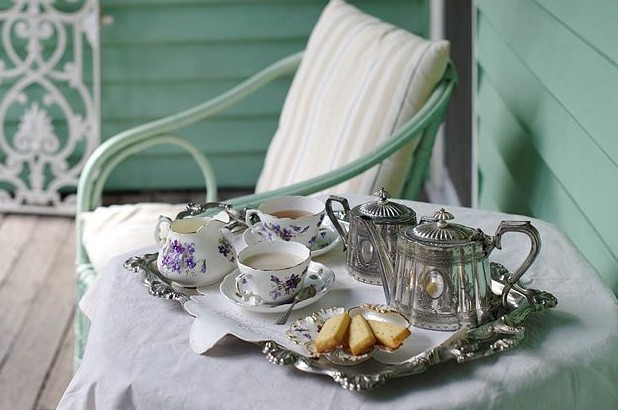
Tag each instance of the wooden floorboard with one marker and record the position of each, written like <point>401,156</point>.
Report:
<point>60,374</point>
<point>15,233</point>
<point>36,300</point>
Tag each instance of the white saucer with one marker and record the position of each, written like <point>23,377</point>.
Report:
<point>318,275</point>
<point>326,240</point>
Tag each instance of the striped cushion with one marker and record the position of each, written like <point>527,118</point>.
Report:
<point>360,79</point>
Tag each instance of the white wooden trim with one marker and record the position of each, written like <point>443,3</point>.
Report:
<point>439,187</point>
<point>474,157</point>
<point>444,193</point>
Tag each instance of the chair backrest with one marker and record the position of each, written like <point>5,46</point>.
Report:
<point>359,81</point>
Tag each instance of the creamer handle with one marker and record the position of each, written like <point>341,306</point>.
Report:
<point>163,226</point>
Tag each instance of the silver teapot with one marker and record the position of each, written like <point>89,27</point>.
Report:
<point>441,279</point>
<point>389,217</point>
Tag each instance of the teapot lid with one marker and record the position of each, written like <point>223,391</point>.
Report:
<point>384,210</point>
<point>439,230</point>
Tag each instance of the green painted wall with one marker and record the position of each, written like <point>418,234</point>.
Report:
<point>546,115</point>
<point>162,56</point>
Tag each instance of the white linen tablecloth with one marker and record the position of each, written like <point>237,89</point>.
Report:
<point>138,353</point>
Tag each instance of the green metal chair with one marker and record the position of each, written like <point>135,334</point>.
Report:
<point>422,127</point>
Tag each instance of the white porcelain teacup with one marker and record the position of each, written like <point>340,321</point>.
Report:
<point>273,271</point>
<point>289,218</point>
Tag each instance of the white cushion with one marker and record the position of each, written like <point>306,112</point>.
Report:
<point>360,79</point>
<point>118,229</point>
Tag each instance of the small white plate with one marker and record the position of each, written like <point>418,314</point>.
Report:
<point>318,275</point>
<point>326,240</point>
<point>304,332</point>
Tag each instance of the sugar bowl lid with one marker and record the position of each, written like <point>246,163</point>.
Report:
<point>440,230</point>
<point>384,211</point>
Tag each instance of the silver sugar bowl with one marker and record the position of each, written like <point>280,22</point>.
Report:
<point>389,217</point>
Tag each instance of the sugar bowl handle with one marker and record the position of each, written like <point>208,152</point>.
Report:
<point>524,227</point>
<point>331,214</point>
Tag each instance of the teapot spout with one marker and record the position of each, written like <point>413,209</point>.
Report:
<point>387,270</point>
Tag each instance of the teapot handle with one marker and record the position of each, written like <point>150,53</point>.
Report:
<point>524,227</point>
<point>331,215</point>
<point>166,222</point>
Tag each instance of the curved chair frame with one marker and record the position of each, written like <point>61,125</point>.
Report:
<point>423,125</point>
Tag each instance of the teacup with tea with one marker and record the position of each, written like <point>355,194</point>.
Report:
<point>273,271</point>
<point>288,218</point>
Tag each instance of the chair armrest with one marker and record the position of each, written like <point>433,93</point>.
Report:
<point>199,157</point>
<point>103,157</point>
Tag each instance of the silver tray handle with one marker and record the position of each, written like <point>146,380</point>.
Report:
<point>156,285</point>
<point>504,333</point>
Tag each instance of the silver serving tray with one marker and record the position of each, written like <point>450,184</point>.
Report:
<point>503,333</point>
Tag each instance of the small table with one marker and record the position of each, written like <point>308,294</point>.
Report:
<point>138,353</point>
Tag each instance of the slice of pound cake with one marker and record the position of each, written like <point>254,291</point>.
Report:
<point>333,333</point>
<point>361,338</point>
<point>389,334</point>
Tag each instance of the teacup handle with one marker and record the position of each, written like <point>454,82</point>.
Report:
<point>163,226</point>
<point>524,227</point>
<point>249,214</point>
<point>331,215</point>
<point>244,293</point>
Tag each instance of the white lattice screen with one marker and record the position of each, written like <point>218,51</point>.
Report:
<point>49,101</point>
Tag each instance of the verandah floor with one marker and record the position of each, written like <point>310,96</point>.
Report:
<point>37,302</point>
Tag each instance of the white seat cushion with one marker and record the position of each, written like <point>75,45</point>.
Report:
<point>360,79</point>
<point>117,229</point>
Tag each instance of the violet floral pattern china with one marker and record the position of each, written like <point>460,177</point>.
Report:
<point>303,227</point>
<point>285,288</point>
<point>275,231</point>
<point>326,240</point>
<point>227,250</point>
<point>272,271</point>
<point>181,254</point>
<point>304,332</point>
<point>193,251</point>
<point>180,257</point>
<point>318,275</point>
<point>281,289</point>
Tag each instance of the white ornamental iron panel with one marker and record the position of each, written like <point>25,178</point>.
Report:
<point>49,101</point>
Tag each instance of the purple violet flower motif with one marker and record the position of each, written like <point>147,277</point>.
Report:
<point>179,255</point>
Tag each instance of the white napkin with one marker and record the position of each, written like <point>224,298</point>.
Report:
<point>211,326</point>
<point>216,317</point>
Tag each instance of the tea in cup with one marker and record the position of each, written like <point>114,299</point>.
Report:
<point>289,218</point>
<point>272,272</point>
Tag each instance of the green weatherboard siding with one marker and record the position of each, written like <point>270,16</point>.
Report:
<point>160,57</point>
<point>546,112</point>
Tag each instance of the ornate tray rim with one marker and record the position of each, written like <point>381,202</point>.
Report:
<point>504,333</point>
